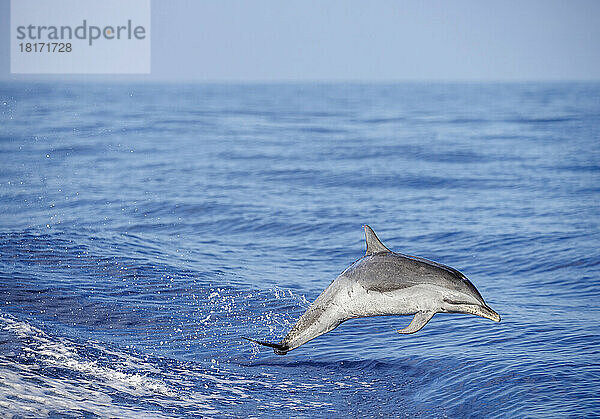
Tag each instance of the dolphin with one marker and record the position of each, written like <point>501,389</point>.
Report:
<point>386,283</point>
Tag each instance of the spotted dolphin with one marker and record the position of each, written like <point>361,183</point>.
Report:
<point>386,283</point>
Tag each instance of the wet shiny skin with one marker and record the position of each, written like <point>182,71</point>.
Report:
<point>385,283</point>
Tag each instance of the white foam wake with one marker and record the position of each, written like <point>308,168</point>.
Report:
<point>54,377</point>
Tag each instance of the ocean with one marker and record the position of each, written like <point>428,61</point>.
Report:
<point>146,227</point>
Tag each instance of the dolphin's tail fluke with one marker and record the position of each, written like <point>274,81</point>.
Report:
<point>277,348</point>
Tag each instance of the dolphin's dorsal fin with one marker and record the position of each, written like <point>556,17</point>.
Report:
<point>374,245</point>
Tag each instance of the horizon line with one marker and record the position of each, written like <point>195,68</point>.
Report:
<point>147,79</point>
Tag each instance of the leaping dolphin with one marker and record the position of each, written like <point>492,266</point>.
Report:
<point>385,283</point>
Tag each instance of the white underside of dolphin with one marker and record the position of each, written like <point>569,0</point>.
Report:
<point>384,283</point>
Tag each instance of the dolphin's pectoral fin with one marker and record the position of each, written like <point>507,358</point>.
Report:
<point>418,322</point>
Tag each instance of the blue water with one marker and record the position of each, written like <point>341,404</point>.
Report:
<point>145,228</point>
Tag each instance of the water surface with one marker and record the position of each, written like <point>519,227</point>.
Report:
<point>145,228</point>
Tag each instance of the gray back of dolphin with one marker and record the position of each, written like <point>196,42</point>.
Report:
<point>386,283</point>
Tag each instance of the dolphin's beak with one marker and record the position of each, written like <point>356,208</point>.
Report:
<point>486,312</point>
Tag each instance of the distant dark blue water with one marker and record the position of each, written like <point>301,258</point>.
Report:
<point>145,228</point>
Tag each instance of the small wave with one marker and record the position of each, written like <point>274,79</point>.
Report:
<point>541,120</point>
